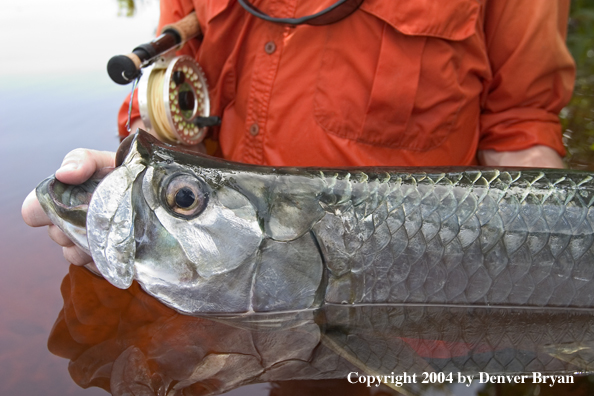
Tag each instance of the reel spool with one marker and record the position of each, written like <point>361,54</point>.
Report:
<point>174,102</point>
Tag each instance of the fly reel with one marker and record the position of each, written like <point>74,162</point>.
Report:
<point>174,102</point>
<point>172,91</point>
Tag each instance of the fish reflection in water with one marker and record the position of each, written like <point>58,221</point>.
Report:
<point>126,342</point>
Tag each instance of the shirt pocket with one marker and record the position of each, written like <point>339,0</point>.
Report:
<point>371,66</point>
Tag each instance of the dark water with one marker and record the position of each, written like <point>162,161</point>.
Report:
<point>41,119</point>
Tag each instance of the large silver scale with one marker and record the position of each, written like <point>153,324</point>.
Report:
<point>172,90</point>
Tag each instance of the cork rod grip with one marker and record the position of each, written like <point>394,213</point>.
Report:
<point>187,27</point>
<point>123,69</point>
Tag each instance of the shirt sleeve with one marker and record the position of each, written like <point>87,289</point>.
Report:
<point>532,74</point>
<point>171,11</point>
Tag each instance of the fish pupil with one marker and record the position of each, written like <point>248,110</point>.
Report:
<point>185,198</point>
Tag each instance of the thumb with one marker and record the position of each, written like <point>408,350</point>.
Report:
<point>80,164</point>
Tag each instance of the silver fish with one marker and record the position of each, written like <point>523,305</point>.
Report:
<point>205,235</point>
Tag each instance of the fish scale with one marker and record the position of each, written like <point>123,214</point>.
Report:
<point>264,239</point>
<point>489,220</point>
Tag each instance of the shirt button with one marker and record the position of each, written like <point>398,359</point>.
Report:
<point>254,129</point>
<point>270,47</point>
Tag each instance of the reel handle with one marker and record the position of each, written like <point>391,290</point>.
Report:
<point>123,69</point>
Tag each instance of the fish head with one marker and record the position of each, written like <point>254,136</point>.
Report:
<point>200,234</point>
<point>164,218</point>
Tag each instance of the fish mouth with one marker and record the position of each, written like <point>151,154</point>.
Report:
<point>70,202</point>
<point>67,206</point>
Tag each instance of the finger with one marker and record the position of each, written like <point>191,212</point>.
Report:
<point>76,256</point>
<point>58,236</point>
<point>80,164</point>
<point>33,213</point>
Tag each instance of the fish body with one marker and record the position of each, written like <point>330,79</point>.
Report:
<point>207,236</point>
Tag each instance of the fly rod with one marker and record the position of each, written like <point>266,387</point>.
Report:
<point>173,93</point>
<point>123,69</point>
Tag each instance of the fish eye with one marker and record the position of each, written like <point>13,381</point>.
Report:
<point>185,195</point>
<point>185,198</point>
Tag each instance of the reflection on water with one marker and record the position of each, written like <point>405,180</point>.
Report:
<point>126,342</point>
<point>41,119</point>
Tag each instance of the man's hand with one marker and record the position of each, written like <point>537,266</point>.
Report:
<point>536,157</point>
<point>78,166</point>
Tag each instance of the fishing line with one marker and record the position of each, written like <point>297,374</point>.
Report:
<point>156,107</point>
<point>134,85</point>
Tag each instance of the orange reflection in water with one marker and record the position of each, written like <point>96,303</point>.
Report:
<point>126,342</point>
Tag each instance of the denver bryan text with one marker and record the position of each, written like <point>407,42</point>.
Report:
<point>535,377</point>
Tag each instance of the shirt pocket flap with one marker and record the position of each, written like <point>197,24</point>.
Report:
<point>448,19</point>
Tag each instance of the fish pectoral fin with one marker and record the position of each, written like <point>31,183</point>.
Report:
<point>394,356</point>
<point>579,354</point>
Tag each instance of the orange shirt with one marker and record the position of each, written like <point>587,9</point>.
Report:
<point>398,82</point>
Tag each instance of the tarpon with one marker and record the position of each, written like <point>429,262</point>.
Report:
<point>205,236</point>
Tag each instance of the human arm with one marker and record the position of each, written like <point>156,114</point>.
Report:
<point>532,80</point>
<point>536,156</point>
